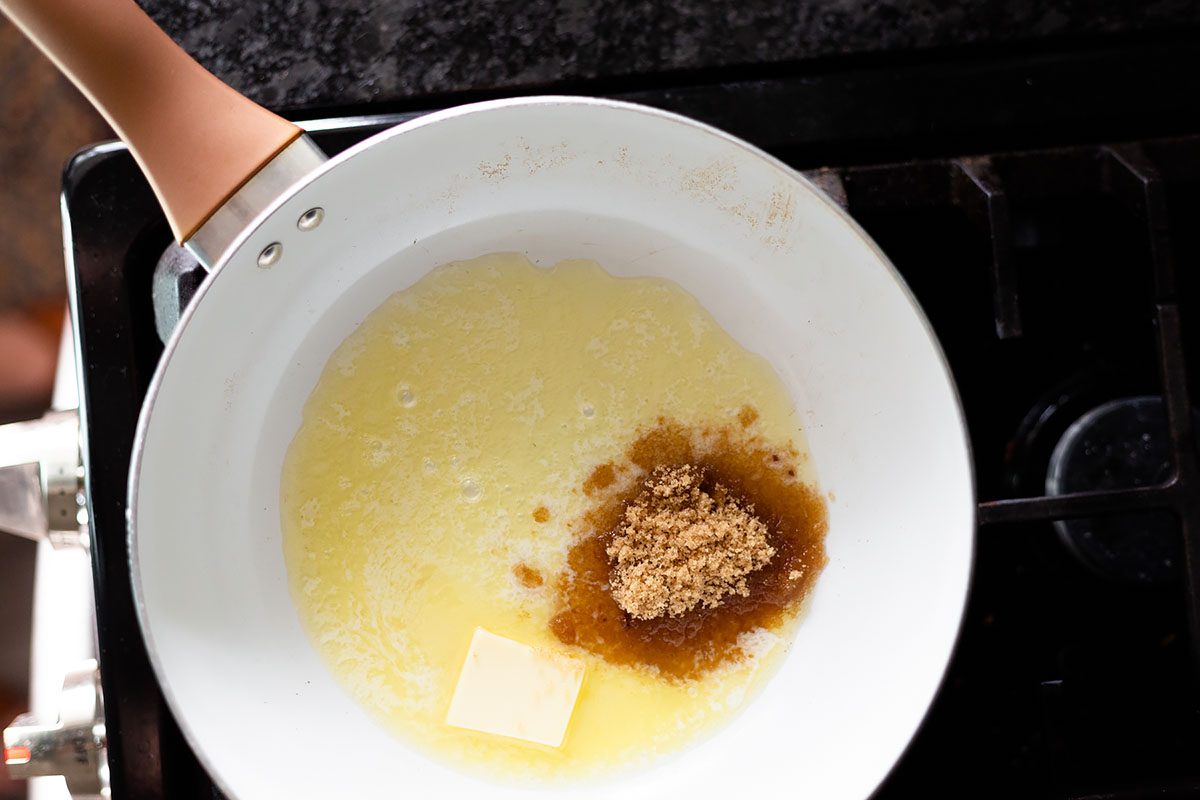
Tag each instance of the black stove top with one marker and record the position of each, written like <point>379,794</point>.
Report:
<point>1059,273</point>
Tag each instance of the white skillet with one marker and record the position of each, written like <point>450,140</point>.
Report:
<point>643,192</point>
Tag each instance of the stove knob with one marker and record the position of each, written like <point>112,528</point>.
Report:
<point>75,746</point>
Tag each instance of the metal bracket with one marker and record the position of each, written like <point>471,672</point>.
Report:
<point>982,193</point>
<point>177,275</point>
<point>41,479</point>
<point>830,182</point>
<point>74,746</point>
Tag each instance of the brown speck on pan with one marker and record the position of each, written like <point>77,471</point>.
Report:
<point>545,158</point>
<point>496,170</point>
<point>780,209</point>
<point>831,497</point>
<point>708,182</point>
<point>742,212</point>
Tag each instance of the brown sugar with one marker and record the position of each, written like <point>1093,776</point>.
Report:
<point>689,645</point>
<point>682,544</point>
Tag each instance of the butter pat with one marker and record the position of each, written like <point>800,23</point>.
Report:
<point>512,689</point>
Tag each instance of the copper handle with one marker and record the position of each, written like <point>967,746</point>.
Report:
<point>196,139</point>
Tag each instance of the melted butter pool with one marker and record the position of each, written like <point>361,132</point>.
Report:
<point>482,394</point>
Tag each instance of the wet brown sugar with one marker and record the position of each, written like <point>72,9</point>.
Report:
<point>693,642</point>
<point>527,576</point>
<point>747,416</point>
<point>601,478</point>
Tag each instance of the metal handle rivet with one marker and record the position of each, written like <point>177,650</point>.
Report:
<point>270,254</point>
<point>310,219</point>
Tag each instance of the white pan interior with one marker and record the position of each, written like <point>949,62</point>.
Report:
<point>644,193</point>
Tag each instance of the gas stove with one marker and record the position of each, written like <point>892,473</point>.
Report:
<point>1041,207</point>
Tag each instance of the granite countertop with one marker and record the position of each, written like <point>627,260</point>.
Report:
<point>296,54</point>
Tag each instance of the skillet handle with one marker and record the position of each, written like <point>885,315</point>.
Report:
<point>196,139</point>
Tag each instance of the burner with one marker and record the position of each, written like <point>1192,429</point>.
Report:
<point>1029,448</point>
<point>1120,444</point>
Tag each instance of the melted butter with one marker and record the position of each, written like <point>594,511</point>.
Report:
<point>437,467</point>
